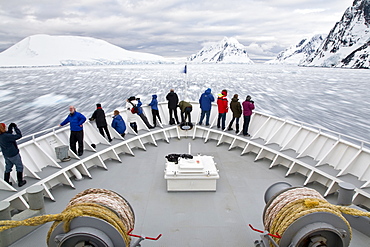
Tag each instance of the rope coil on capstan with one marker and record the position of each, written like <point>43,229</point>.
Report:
<point>99,203</point>
<point>293,204</point>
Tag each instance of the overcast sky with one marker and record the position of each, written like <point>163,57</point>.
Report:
<point>173,28</point>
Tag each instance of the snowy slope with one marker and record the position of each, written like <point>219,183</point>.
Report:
<point>348,43</point>
<point>46,50</point>
<point>228,50</point>
<point>298,53</point>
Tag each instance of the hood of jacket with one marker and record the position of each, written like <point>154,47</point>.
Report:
<point>208,91</point>
<point>234,99</point>
<point>154,96</point>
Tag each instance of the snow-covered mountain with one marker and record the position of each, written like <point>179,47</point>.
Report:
<point>46,50</point>
<point>228,50</point>
<point>348,43</point>
<point>298,53</point>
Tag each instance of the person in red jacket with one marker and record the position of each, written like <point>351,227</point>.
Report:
<point>222,104</point>
<point>248,106</point>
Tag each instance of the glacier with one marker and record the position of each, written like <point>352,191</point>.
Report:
<point>47,50</point>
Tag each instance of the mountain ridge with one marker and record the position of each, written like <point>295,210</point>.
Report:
<point>228,50</point>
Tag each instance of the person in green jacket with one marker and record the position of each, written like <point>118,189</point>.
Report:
<point>236,108</point>
<point>186,108</point>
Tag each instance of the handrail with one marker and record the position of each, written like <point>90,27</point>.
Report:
<point>340,136</point>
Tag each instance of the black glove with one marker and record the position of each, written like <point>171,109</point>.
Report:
<point>252,101</point>
<point>91,119</point>
<point>12,125</point>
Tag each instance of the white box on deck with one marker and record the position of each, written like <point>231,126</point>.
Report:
<point>197,174</point>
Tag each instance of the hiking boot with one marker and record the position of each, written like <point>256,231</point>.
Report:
<point>7,178</point>
<point>21,181</point>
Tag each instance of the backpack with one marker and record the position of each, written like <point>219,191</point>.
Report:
<point>134,109</point>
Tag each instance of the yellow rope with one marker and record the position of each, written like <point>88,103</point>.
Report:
<point>81,209</point>
<point>299,208</point>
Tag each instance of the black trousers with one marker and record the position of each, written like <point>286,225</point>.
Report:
<point>186,114</point>
<point>174,111</point>
<point>143,117</point>
<point>155,114</point>
<point>133,125</point>
<point>104,128</point>
<point>77,136</point>
<point>247,119</point>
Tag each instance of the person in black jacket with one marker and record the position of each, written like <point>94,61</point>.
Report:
<point>173,102</point>
<point>10,151</point>
<point>101,122</point>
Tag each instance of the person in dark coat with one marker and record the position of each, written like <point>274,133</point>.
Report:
<point>118,123</point>
<point>186,109</point>
<point>205,102</point>
<point>155,112</point>
<point>248,106</point>
<point>101,122</point>
<point>76,121</point>
<point>9,148</point>
<point>173,101</point>
<point>236,108</point>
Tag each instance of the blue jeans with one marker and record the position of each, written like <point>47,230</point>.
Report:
<point>221,116</point>
<point>207,114</point>
<point>247,119</point>
<point>15,160</point>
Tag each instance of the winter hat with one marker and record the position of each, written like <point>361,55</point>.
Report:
<point>2,127</point>
<point>98,105</point>
<point>132,98</point>
<point>224,92</point>
<point>248,97</point>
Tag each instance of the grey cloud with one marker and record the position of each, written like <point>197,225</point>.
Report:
<point>173,28</point>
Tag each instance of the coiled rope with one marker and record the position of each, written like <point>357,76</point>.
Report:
<point>293,204</point>
<point>99,203</point>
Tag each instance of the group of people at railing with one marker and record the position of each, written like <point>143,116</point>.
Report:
<point>76,120</point>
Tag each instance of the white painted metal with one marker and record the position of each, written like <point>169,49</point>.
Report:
<point>326,148</point>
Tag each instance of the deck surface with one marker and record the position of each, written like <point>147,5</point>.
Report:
<point>193,219</point>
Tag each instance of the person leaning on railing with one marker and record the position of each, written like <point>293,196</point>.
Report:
<point>76,121</point>
<point>8,144</point>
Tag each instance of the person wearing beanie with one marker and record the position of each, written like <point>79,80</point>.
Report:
<point>118,123</point>
<point>131,110</point>
<point>186,109</point>
<point>236,108</point>
<point>136,105</point>
<point>155,112</point>
<point>9,148</point>
<point>76,121</point>
<point>173,101</point>
<point>222,104</point>
<point>101,122</point>
<point>205,102</point>
<point>248,107</point>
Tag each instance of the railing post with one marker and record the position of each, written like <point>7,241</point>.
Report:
<point>5,215</point>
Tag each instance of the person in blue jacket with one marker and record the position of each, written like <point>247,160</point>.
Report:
<point>9,148</point>
<point>155,111</point>
<point>76,121</point>
<point>205,102</point>
<point>118,123</point>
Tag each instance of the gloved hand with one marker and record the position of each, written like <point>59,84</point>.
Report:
<point>252,101</point>
<point>12,125</point>
<point>91,119</point>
